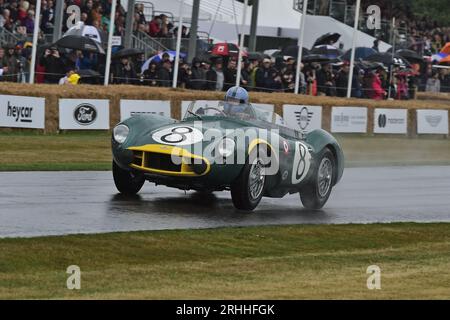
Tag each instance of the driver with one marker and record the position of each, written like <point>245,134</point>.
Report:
<point>236,102</point>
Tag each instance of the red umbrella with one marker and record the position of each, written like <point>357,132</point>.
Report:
<point>226,49</point>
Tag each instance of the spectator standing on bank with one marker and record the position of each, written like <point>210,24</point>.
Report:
<point>53,64</point>
<point>215,78</point>
<point>11,62</point>
<point>264,76</point>
<point>433,83</point>
<point>151,75</point>
<point>325,81</point>
<point>124,72</point>
<point>164,74</point>
<point>230,74</point>
<point>198,77</point>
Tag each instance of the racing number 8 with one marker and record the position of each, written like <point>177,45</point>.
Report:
<point>177,135</point>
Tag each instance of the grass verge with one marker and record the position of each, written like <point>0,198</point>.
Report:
<point>91,151</point>
<point>274,262</point>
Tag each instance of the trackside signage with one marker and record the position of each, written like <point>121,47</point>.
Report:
<point>302,118</point>
<point>131,108</point>
<point>393,121</point>
<point>349,120</point>
<point>22,112</point>
<point>432,121</point>
<point>83,114</point>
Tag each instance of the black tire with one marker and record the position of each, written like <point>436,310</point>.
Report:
<point>127,182</point>
<point>243,198</point>
<point>312,195</point>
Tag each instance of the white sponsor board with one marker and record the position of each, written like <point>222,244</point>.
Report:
<point>349,119</point>
<point>432,121</point>
<point>22,112</point>
<point>185,105</point>
<point>302,118</point>
<point>394,121</point>
<point>130,108</point>
<point>84,114</point>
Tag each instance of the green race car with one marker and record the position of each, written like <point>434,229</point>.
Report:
<point>226,147</point>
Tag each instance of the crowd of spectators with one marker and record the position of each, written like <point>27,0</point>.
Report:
<point>219,73</point>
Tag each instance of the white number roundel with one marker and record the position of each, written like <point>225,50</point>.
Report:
<point>178,136</point>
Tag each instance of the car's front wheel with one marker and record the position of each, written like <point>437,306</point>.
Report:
<point>248,189</point>
<point>127,182</point>
<point>315,194</point>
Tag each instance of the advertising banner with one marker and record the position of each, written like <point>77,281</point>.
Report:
<point>432,121</point>
<point>130,108</point>
<point>83,114</point>
<point>393,121</point>
<point>349,120</point>
<point>22,112</point>
<point>302,118</point>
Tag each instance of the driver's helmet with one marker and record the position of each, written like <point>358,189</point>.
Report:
<point>236,100</point>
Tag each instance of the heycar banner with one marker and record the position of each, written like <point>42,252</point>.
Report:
<point>130,108</point>
<point>349,119</point>
<point>83,114</point>
<point>432,121</point>
<point>302,118</point>
<point>22,112</point>
<point>394,121</point>
<point>185,105</point>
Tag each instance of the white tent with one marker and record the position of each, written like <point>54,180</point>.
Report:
<point>275,19</point>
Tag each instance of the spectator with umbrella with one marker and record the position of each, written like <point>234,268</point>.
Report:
<point>124,72</point>
<point>326,85</point>
<point>53,64</point>
<point>198,77</point>
<point>215,78</point>
<point>151,75</point>
<point>164,74</point>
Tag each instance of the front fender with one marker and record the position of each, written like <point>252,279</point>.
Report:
<point>321,139</point>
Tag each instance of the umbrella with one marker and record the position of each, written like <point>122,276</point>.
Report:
<point>411,56</point>
<point>387,59</point>
<point>80,43</point>
<point>88,73</point>
<point>360,53</point>
<point>256,56</point>
<point>327,50</point>
<point>445,60</point>
<point>315,58</point>
<point>292,51</point>
<point>226,49</point>
<point>446,48</point>
<point>128,52</point>
<point>328,38</point>
<point>157,58</point>
<point>80,29</point>
<point>438,57</point>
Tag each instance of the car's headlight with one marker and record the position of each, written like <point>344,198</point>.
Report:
<point>226,147</point>
<point>120,133</point>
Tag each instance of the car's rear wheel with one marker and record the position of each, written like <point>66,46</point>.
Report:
<point>248,189</point>
<point>127,182</point>
<point>315,194</point>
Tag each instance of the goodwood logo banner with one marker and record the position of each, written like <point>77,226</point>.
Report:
<point>432,122</point>
<point>349,119</point>
<point>22,112</point>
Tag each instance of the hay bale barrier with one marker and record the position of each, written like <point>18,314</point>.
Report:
<point>114,93</point>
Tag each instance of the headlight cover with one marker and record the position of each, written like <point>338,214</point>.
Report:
<point>120,133</point>
<point>226,147</point>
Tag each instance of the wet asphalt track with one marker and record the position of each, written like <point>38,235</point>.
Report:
<point>55,203</point>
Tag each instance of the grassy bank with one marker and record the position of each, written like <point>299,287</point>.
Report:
<point>288,262</point>
<point>91,151</point>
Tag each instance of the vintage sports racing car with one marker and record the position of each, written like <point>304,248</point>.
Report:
<point>226,147</point>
